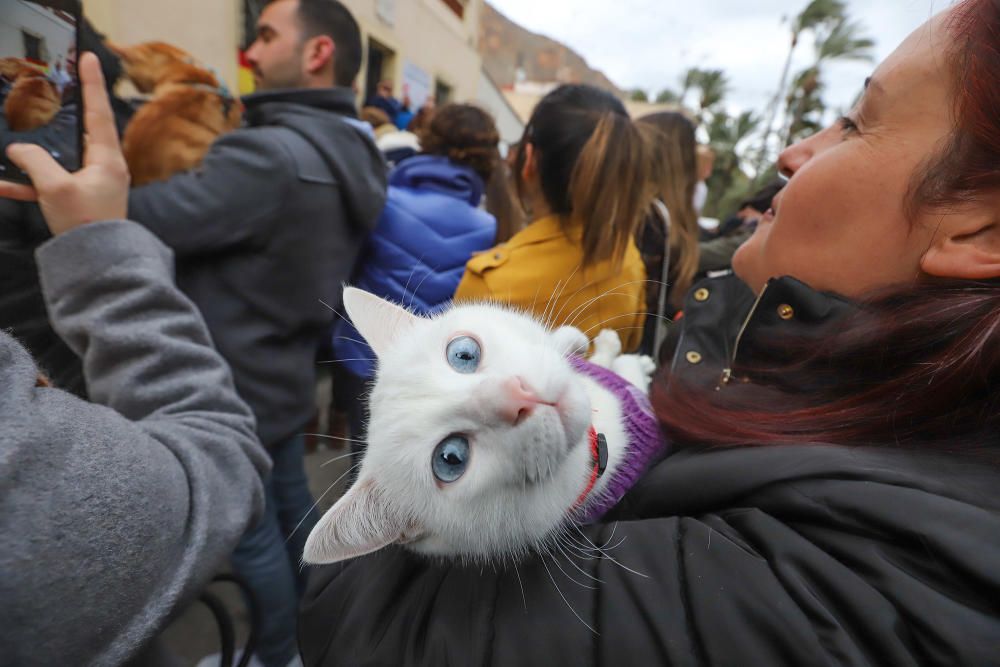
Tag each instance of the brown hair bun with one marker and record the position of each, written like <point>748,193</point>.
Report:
<point>464,134</point>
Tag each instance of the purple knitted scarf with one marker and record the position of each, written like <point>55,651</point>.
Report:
<point>644,437</point>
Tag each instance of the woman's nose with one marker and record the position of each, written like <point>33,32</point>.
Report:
<point>793,157</point>
<point>798,154</point>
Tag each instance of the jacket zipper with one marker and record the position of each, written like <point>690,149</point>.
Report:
<point>727,373</point>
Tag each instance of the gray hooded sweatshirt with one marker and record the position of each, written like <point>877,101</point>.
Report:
<point>112,518</point>
<point>266,231</point>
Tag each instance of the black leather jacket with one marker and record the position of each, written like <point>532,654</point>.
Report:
<point>783,555</point>
<point>724,322</point>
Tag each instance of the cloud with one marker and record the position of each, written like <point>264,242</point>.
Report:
<point>649,43</point>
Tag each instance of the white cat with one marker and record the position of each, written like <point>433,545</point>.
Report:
<point>487,434</point>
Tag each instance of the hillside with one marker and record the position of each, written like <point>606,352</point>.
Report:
<point>505,47</point>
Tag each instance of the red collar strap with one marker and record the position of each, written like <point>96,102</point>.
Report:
<point>598,460</point>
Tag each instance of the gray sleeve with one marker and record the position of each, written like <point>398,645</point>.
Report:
<point>226,201</point>
<point>114,516</point>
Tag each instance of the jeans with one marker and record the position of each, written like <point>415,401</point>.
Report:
<point>269,555</point>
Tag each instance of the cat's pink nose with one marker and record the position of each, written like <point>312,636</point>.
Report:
<point>517,400</point>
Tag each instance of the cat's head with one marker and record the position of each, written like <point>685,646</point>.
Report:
<point>477,437</point>
<point>150,64</point>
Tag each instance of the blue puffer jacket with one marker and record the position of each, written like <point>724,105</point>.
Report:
<point>429,229</point>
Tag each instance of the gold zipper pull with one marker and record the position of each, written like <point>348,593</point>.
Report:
<point>727,376</point>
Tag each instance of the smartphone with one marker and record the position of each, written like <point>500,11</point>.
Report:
<point>40,97</point>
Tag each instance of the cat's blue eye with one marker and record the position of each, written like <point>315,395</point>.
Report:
<point>463,354</point>
<point>450,458</point>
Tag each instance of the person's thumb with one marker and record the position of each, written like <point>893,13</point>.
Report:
<point>36,162</point>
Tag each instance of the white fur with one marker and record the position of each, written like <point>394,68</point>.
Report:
<point>522,480</point>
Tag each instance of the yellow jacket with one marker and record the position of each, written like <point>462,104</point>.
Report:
<point>539,270</point>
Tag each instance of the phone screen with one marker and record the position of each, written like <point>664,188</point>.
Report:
<point>39,89</point>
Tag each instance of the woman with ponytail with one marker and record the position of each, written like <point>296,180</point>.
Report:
<point>582,173</point>
<point>675,174</point>
<point>830,494</point>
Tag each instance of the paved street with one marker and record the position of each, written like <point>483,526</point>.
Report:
<point>194,634</point>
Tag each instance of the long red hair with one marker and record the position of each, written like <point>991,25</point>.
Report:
<point>914,366</point>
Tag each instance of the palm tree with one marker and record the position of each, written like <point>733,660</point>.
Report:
<point>840,41</point>
<point>727,136</point>
<point>689,80</point>
<point>804,105</point>
<point>713,85</point>
<point>816,14</point>
<point>844,42</point>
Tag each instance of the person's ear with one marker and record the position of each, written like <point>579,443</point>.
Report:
<point>966,246</point>
<point>318,53</point>
<point>529,167</point>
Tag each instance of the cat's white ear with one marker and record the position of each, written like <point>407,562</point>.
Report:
<point>380,322</point>
<point>360,523</point>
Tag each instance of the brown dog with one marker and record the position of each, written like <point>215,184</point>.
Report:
<point>188,110</point>
<point>33,100</point>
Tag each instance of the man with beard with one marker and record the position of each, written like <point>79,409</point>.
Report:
<point>265,232</point>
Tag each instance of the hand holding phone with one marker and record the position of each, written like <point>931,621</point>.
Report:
<point>97,192</point>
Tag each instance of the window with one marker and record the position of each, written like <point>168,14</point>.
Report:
<point>33,47</point>
<point>457,6</point>
<point>442,92</point>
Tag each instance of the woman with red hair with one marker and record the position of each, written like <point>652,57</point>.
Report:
<point>832,491</point>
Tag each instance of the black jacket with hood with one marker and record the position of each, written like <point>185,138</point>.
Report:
<point>265,232</point>
<point>783,555</point>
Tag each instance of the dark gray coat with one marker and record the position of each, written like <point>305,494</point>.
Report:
<point>265,233</point>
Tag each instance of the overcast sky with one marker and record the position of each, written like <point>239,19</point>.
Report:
<point>648,43</point>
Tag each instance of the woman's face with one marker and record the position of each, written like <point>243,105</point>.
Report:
<point>840,224</point>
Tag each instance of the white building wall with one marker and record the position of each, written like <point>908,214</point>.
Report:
<point>491,98</point>
<point>57,35</point>
<point>428,35</point>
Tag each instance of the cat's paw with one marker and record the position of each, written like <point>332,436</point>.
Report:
<point>638,369</point>
<point>607,348</point>
<point>570,340</point>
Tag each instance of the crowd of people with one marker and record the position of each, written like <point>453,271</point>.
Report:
<point>829,366</point>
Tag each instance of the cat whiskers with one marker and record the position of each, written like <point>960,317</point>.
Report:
<point>520,584</point>
<point>554,299</point>
<point>353,340</point>
<point>550,304</point>
<point>340,361</point>
<point>559,590</point>
<point>577,312</point>
<point>562,549</point>
<point>555,562</point>
<point>427,275</point>
<point>604,552</point>
<point>406,288</point>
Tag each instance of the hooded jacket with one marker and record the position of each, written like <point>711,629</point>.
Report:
<point>114,516</point>
<point>784,555</point>
<point>265,233</point>
<point>430,227</point>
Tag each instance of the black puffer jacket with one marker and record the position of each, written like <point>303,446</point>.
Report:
<point>786,555</point>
